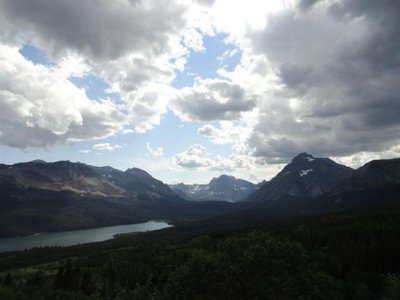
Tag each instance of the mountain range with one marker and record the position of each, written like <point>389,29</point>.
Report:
<point>84,179</point>
<point>41,196</point>
<point>375,183</point>
<point>38,196</point>
<point>222,188</point>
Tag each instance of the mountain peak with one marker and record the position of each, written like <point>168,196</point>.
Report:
<point>222,188</point>
<point>223,178</point>
<point>138,172</point>
<point>303,157</point>
<point>226,176</point>
<point>305,176</point>
<point>38,161</point>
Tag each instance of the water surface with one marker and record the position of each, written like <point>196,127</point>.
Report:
<point>69,238</point>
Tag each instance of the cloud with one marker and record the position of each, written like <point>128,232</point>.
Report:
<point>306,4</point>
<point>135,46</point>
<point>85,151</point>
<point>193,39</point>
<point>196,157</point>
<point>227,133</point>
<point>146,106</point>
<point>207,130</point>
<point>212,99</point>
<point>106,147</point>
<point>39,106</point>
<point>158,152</point>
<point>97,29</point>
<point>206,2</point>
<point>362,158</point>
<point>337,65</point>
<point>293,75</point>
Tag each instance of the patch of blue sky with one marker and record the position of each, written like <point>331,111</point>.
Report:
<point>231,60</point>
<point>178,136</point>
<point>95,87</point>
<point>10,155</point>
<point>205,64</point>
<point>35,55</point>
<point>172,134</point>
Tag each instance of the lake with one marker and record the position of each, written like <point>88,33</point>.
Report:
<point>69,238</point>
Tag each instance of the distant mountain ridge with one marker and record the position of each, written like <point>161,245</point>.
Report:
<point>375,183</point>
<point>84,179</point>
<point>41,196</point>
<point>60,176</point>
<point>305,176</point>
<point>375,173</point>
<point>222,188</point>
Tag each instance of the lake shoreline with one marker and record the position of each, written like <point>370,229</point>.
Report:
<point>77,237</point>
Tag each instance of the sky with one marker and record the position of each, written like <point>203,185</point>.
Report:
<point>190,90</point>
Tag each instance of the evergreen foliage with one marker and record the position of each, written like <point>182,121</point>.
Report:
<point>338,256</point>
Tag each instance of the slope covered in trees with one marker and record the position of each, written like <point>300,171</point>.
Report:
<point>337,256</point>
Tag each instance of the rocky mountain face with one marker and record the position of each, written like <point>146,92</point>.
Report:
<point>39,196</point>
<point>222,188</point>
<point>43,197</point>
<point>59,176</point>
<point>374,174</point>
<point>305,176</point>
<point>135,182</point>
<point>83,179</point>
<point>375,183</point>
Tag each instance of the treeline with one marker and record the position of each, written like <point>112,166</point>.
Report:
<point>342,256</point>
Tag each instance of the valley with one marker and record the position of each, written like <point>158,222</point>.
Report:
<point>199,150</point>
<point>318,227</point>
<point>50,197</point>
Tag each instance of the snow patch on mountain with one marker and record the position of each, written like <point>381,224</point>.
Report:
<point>305,172</point>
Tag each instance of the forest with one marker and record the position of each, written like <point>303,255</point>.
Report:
<point>348,255</point>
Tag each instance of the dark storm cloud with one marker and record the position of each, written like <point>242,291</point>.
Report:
<point>341,59</point>
<point>294,75</point>
<point>26,136</point>
<point>213,100</point>
<point>306,4</point>
<point>100,29</point>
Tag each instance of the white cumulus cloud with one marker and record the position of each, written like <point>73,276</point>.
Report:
<point>158,152</point>
<point>40,107</point>
<point>106,147</point>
